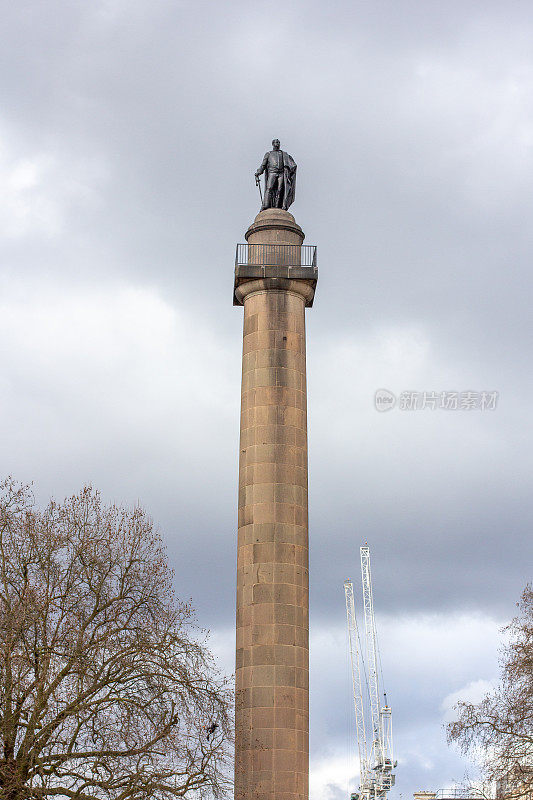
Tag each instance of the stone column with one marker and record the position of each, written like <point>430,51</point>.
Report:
<point>272,666</point>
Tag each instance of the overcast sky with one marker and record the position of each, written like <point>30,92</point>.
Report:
<point>129,134</point>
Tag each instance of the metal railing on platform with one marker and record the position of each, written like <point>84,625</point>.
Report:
<point>276,255</point>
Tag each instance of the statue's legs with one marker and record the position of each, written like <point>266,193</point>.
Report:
<point>273,191</point>
<point>269,189</point>
<point>279,190</point>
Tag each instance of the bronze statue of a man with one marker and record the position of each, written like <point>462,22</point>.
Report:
<point>280,178</point>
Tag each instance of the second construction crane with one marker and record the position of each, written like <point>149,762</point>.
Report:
<point>373,721</point>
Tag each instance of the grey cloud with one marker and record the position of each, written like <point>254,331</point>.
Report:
<point>412,126</point>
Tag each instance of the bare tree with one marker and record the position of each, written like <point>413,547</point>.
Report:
<point>106,691</point>
<point>499,729</point>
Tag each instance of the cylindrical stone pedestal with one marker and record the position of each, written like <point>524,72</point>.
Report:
<point>272,669</point>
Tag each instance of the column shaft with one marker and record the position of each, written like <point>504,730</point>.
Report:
<point>272,670</point>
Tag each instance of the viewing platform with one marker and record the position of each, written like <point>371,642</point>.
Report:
<point>277,261</point>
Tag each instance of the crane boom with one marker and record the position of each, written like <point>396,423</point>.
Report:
<point>355,658</point>
<point>376,764</point>
<point>371,653</point>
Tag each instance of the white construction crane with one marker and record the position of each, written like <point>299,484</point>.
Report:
<point>375,760</point>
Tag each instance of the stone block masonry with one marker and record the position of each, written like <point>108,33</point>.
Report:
<point>272,659</point>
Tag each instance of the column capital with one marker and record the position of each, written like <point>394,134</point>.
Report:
<point>274,259</point>
<point>304,289</point>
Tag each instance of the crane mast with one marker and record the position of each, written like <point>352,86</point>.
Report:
<point>355,658</point>
<point>376,761</point>
<point>371,654</point>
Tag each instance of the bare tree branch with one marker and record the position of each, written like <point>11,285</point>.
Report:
<point>499,729</point>
<point>106,690</point>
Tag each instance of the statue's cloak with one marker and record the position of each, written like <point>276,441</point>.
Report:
<point>289,175</point>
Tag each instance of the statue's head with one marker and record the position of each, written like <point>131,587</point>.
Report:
<point>275,144</point>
